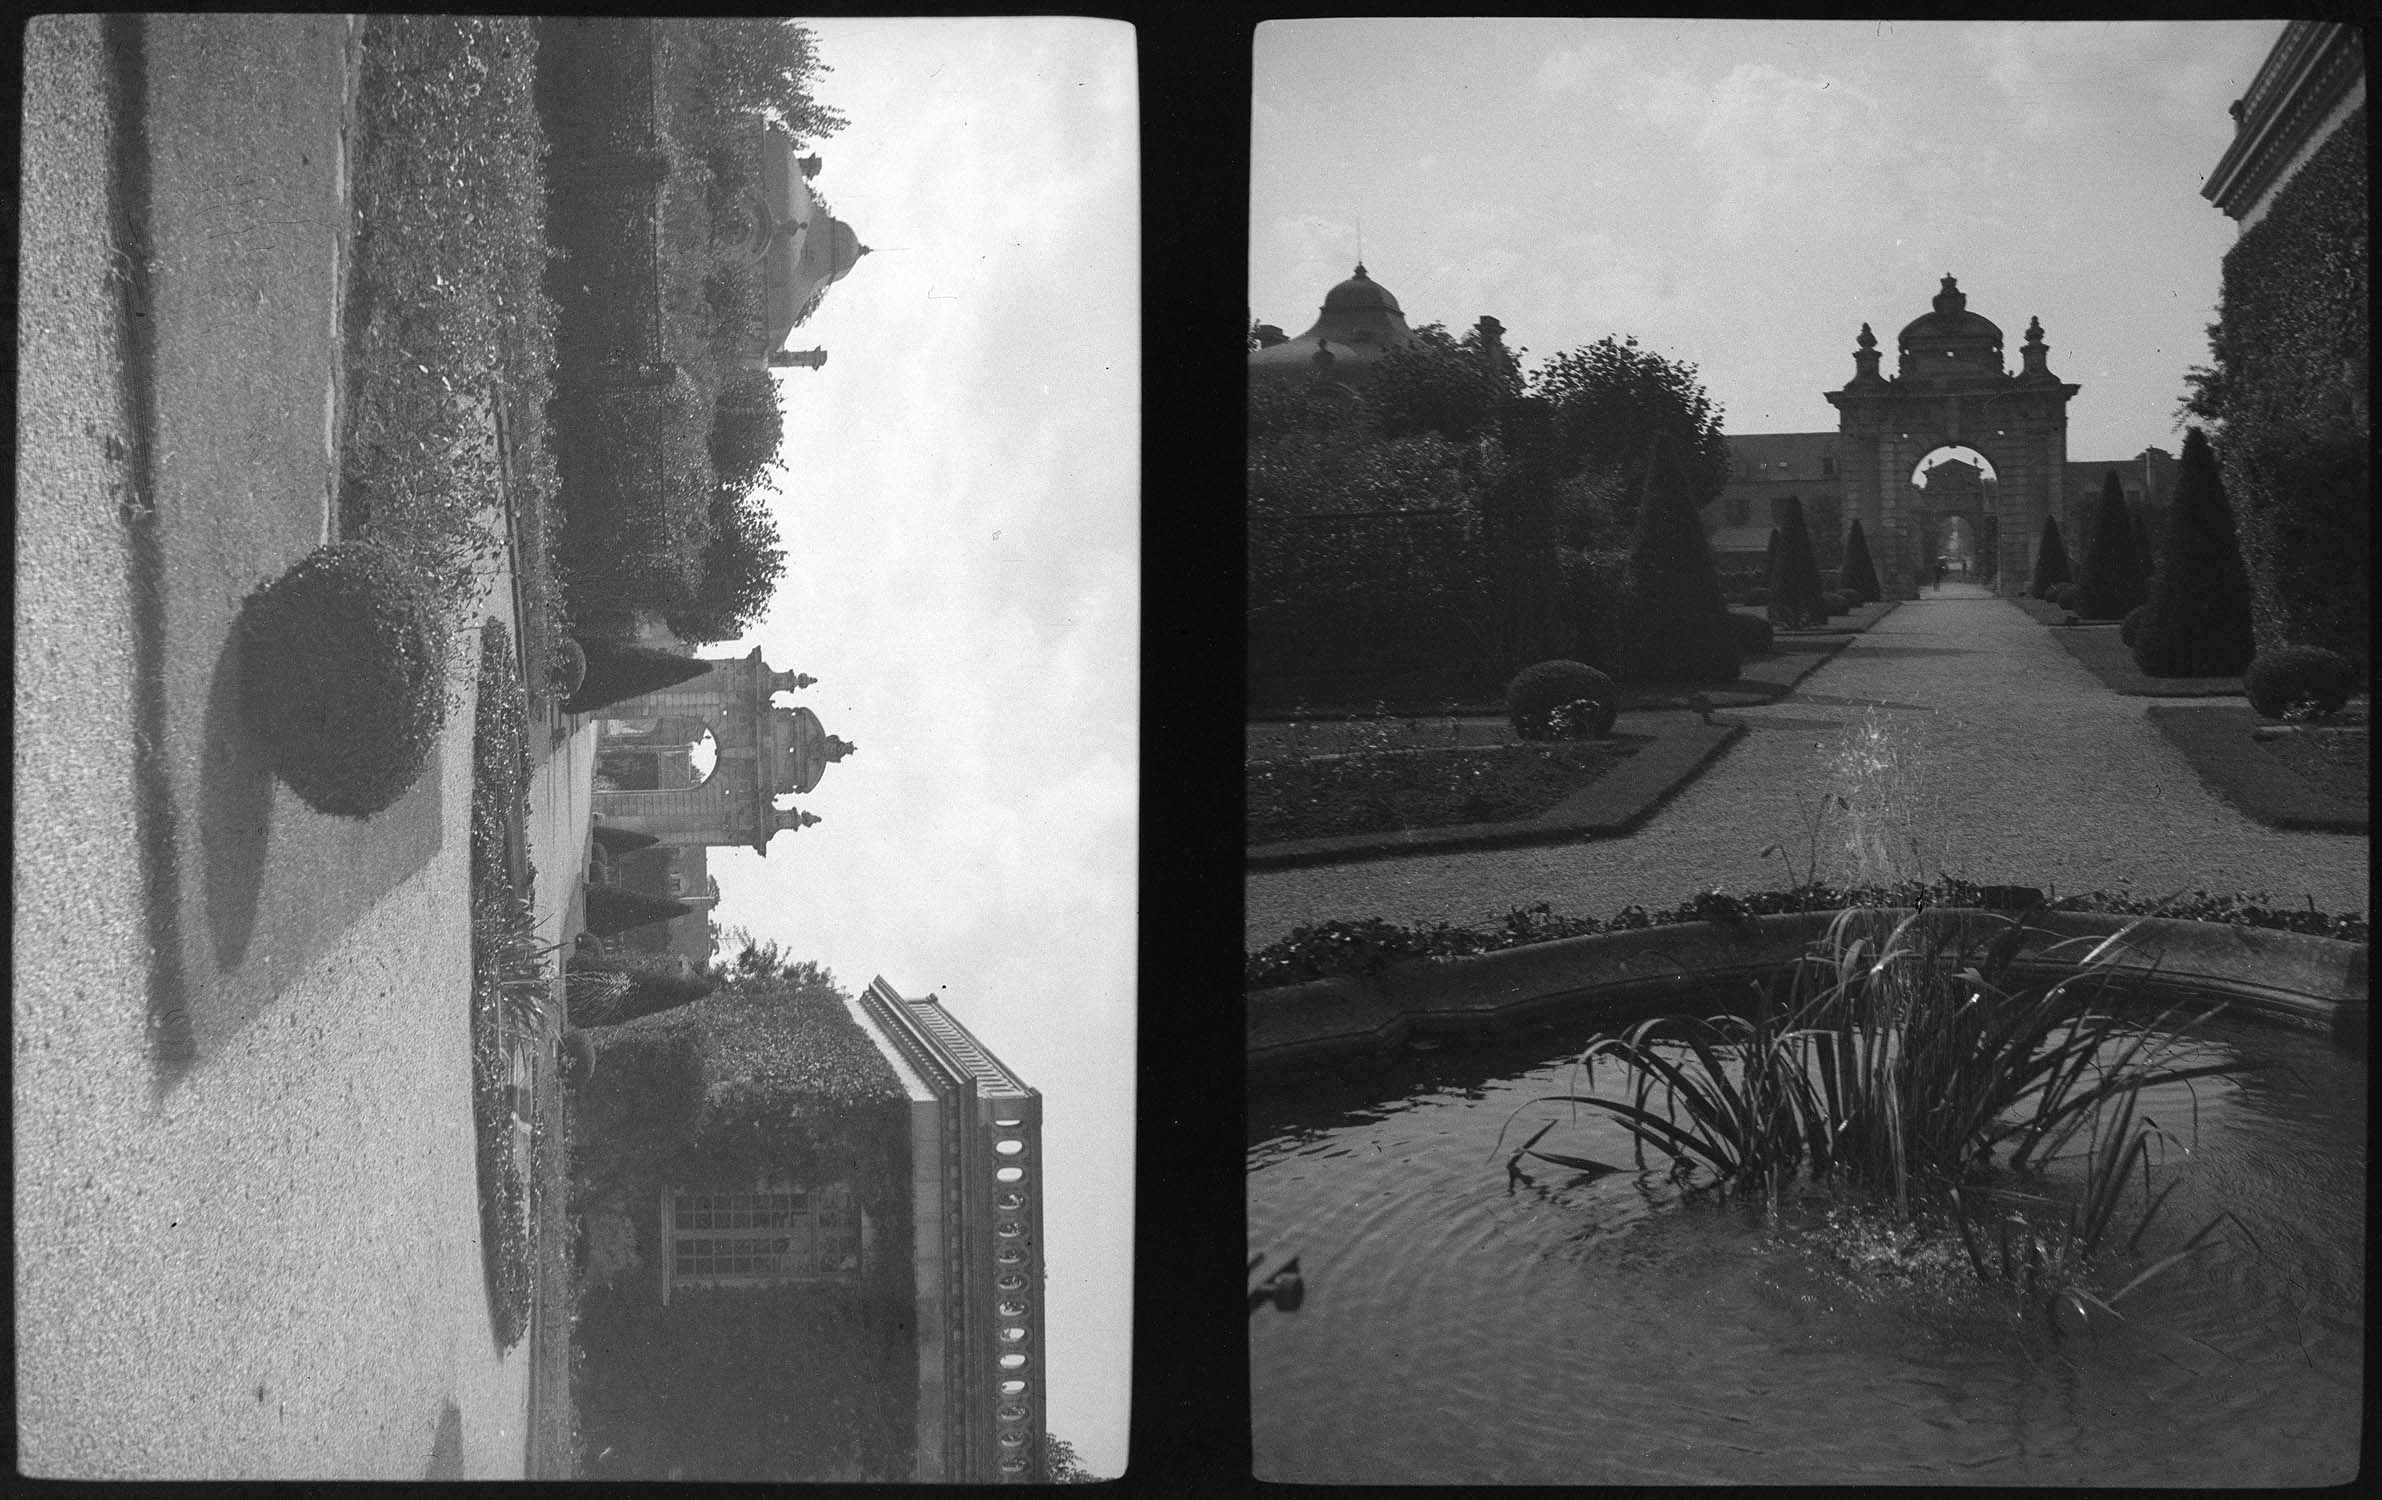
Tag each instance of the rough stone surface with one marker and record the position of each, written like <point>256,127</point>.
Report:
<point>2019,766</point>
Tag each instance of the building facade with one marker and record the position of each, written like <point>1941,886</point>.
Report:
<point>976,1225</point>
<point>2309,85</point>
<point>761,751</point>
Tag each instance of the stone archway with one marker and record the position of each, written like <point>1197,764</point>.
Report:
<point>1951,391</point>
<point>1954,500</point>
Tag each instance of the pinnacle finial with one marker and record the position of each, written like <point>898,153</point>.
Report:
<point>1867,340</point>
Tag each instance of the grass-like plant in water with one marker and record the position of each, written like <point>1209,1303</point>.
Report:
<point>1896,1056</point>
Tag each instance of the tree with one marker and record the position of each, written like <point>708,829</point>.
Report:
<point>2110,582</point>
<point>1795,588</point>
<point>748,427</point>
<point>1611,396</point>
<point>2198,621</point>
<point>1672,612</point>
<point>618,671</point>
<point>1064,1464</point>
<point>2051,561</point>
<point>1439,383</point>
<point>1858,577</point>
<point>742,568</point>
<point>763,66</point>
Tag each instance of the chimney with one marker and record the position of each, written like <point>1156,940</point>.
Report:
<point>809,359</point>
<point>810,166</point>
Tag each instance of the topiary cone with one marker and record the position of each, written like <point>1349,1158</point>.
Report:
<point>2197,623</point>
<point>617,673</point>
<point>1858,577</point>
<point>2110,582</point>
<point>342,661</point>
<point>1795,592</point>
<point>2051,561</point>
<point>1672,608</point>
<point>612,910</point>
<point>622,840</point>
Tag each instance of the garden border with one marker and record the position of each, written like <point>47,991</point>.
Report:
<point>2216,742</point>
<point>2099,650</point>
<point>1614,803</point>
<point>2311,982</point>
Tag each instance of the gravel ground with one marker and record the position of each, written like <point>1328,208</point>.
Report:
<point>267,1266</point>
<point>2021,766</point>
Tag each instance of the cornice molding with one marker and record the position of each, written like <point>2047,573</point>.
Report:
<point>2312,67</point>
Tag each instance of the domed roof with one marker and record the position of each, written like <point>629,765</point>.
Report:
<point>1359,322</point>
<point>1950,320</point>
<point>1360,292</point>
<point>1950,344</point>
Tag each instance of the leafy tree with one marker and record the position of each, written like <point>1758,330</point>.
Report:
<point>2110,582</point>
<point>1439,383</point>
<point>1064,1464</point>
<point>748,427</point>
<point>1609,397</point>
<point>1672,611</point>
<point>1795,586</point>
<point>742,567</point>
<point>1858,577</point>
<point>2198,622</point>
<point>764,66</point>
<point>2051,562</point>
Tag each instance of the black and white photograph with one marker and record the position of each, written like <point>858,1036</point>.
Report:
<point>578,596</point>
<point>1807,752</point>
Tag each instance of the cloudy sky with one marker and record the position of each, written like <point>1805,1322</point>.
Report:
<point>1743,195</point>
<point>962,515</point>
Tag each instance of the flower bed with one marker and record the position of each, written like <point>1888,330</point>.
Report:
<point>1379,790</point>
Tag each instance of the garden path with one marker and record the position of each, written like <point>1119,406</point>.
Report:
<point>2016,765</point>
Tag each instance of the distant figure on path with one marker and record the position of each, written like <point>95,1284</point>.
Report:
<point>1939,572</point>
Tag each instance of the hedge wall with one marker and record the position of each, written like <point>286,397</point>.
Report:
<point>2288,388</point>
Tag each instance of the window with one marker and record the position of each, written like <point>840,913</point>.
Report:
<point>730,1237</point>
<point>1827,468</point>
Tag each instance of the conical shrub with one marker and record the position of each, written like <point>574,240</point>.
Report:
<point>1673,613</point>
<point>617,672</point>
<point>1796,593</point>
<point>2110,582</point>
<point>622,840</point>
<point>611,910</point>
<point>1858,576</point>
<point>2051,562</point>
<point>2197,623</point>
<point>610,991</point>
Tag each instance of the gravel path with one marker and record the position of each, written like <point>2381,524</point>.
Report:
<point>2020,766</point>
<point>271,1268</point>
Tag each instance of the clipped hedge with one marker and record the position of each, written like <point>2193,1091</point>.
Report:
<point>1672,609</point>
<point>611,910</point>
<point>1754,635</point>
<point>618,671</point>
<point>2291,681</point>
<point>637,487</point>
<point>2051,561</point>
<point>1858,577</point>
<point>1541,701</point>
<point>342,676</point>
<point>650,1088</point>
<point>2197,621</point>
<point>1797,597</point>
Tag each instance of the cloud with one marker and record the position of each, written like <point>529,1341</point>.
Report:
<point>1606,71</point>
<point>2069,78</point>
<point>1786,148</point>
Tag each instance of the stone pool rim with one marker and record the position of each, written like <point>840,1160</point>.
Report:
<point>2314,983</point>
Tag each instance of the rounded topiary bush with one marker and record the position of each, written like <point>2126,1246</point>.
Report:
<point>2290,680</point>
<point>342,676</point>
<point>1538,702</point>
<point>1757,596</point>
<point>2132,623</point>
<point>1836,603</point>
<point>1754,635</point>
<point>2064,595</point>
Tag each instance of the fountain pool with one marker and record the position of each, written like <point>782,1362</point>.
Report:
<point>1459,1328</point>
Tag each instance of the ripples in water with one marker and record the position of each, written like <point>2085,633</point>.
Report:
<point>1573,1328</point>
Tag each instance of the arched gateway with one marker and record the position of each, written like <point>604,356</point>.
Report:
<point>763,752</point>
<point>1951,391</point>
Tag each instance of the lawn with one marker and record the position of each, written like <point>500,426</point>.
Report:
<point>1392,784</point>
<point>2336,759</point>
